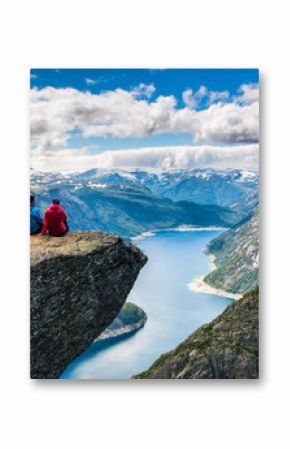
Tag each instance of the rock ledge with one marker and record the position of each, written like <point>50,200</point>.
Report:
<point>79,283</point>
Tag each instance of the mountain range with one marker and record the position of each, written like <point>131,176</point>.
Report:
<point>131,202</point>
<point>224,188</point>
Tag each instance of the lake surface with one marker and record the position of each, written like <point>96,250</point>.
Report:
<point>173,311</point>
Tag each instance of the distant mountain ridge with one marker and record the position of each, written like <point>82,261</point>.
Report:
<point>124,208</point>
<point>224,188</point>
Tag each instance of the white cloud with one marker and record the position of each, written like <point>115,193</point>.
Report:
<point>214,96</point>
<point>143,90</point>
<point>220,123</point>
<point>56,113</point>
<point>90,82</point>
<point>188,99</point>
<point>193,99</point>
<point>154,158</point>
<point>249,94</point>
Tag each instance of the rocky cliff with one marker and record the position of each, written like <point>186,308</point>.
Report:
<point>78,286</point>
<point>226,348</point>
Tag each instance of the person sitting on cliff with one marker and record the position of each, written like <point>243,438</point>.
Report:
<point>55,220</point>
<point>35,217</point>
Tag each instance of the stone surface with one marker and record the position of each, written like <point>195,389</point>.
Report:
<point>79,283</point>
<point>226,348</point>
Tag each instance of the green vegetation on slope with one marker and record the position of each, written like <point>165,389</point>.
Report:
<point>226,348</point>
<point>237,257</point>
<point>131,313</point>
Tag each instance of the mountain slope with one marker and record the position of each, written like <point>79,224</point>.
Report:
<point>236,257</point>
<point>126,210</point>
<point>226,348</point>
<point>224,188</point>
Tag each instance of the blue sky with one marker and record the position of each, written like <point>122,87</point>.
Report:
<point>193,90</point>
<point>167,82</point>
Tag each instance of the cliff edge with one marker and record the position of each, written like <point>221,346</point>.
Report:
<point>79,283</point>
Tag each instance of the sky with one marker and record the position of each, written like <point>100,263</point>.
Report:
<point>144,118</point>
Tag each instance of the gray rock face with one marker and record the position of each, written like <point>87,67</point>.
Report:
<point>226,348</point>
<point>79,283</point>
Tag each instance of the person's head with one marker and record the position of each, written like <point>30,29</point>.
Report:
<point>55,201</point>
<point>32,199</point>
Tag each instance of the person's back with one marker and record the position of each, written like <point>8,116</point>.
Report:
<point>55,220</point>
<point>35,217</point>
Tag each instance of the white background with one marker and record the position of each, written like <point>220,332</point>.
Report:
<point>205,414</point>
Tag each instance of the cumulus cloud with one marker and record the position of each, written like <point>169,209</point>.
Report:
<point>249,93</point>
<point>193,99</point>
<point>152,159</point>
<point>214,96</point>
<point>144,90</point>
<point>56,113</point>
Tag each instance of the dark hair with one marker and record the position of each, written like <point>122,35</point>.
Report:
<point>32,199</point>
<point>55,201</point>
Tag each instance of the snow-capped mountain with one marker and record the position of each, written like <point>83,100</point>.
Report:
<point>129,203</point>
<point>203,186</point>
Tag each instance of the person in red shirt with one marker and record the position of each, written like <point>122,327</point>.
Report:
<point>55,220</point>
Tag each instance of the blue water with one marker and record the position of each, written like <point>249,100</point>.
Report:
<point>173,310</point>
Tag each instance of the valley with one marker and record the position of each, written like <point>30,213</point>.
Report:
<point>131,203</point>
<point>175,218</point>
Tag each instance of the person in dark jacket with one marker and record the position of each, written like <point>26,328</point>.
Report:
<point>35,217</point>
<point>55,220</point>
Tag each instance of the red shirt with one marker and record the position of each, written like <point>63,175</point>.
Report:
<point>54,221</point>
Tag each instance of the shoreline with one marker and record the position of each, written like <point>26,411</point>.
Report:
<point>198,285</point>
<point>126,330</point>
<point>181,228</point>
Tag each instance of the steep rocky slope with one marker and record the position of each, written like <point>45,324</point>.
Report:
<point>236,257</point>
<point>78,285</point>
<point>226,348</point>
